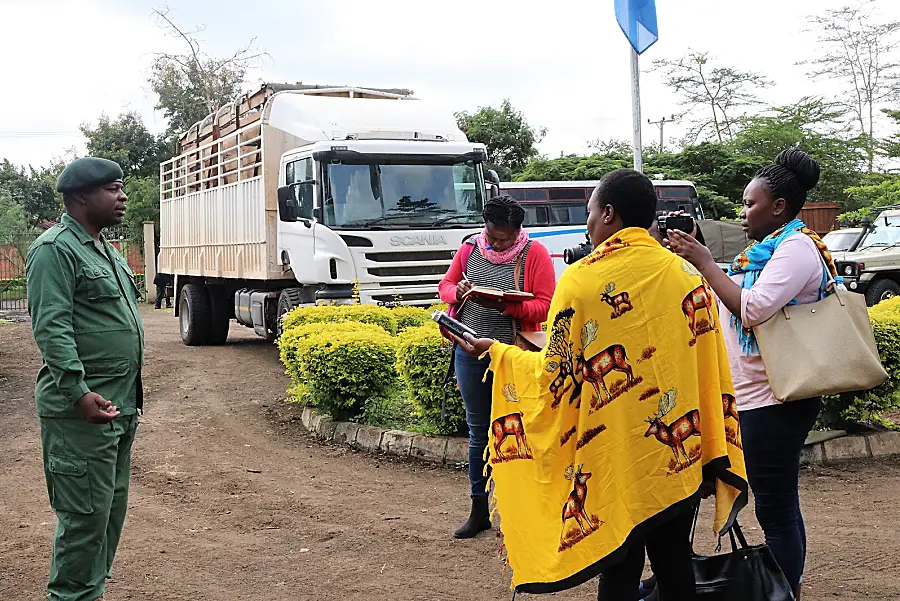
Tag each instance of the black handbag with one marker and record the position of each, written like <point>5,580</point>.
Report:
<point>747,573</point>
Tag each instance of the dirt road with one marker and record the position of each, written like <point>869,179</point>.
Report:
<point>231,501</point>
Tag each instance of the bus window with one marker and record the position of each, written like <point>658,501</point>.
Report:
<point>567,194</point>
<point>536,215</point>
<point>535,194</point>
<point>569,214</point>
<point>515,193</point>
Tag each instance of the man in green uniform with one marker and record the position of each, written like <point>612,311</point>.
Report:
<point>83,303</point>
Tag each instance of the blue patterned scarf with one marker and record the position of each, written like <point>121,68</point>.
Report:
<point>754,258</point>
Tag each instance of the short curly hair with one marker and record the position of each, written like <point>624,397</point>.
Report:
<point>631,194</point>
<point>503,211</point>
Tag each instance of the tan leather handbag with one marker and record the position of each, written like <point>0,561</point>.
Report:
<point>820,348</point>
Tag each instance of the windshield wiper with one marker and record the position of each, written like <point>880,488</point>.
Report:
<point>442,221</point>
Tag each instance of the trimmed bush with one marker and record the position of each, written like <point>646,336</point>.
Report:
<point>373,314</point>
<point>422,360</point>
<point>339,366</point>
<point>847,411</point>
<point>410,317</point>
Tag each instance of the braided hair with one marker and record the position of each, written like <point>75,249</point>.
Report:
<point>503,211</point>
<point>790,177</point>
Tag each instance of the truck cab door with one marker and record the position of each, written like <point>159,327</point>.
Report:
<point>296,221</point>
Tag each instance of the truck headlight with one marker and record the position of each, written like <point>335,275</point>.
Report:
<point>848,270</point>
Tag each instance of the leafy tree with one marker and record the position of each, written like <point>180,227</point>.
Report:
<point>192,84</point>
<point>143,205</point>
<point>857,48</point>
<point>509,138</point>
<point>128,142</point>
<point>874,191</point>
<point>712,95</point>
<point>15,232</point>
<point>816,126</point>
<point>611,146</point>
<point>33,189</point>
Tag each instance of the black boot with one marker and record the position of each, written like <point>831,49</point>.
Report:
<point>479,520</point>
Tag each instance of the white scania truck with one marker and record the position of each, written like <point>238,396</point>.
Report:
<point>297,195</point>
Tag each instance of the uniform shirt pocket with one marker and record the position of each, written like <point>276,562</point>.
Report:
<point>70,485</point>
<point>101,285</point>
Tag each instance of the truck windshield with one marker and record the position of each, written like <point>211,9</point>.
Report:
<point>838,241</point>
<point>400,196</point>
<point>881,236</point>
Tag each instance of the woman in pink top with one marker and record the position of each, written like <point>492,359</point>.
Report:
<point>786,264</point>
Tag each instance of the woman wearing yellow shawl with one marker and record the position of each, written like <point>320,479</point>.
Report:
<point>600,444</point>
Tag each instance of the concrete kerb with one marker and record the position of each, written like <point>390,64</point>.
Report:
<point>821,447</point>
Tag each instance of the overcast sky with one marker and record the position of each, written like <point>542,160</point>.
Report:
<point>564,64</point>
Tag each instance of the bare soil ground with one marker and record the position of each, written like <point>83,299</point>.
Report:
<point>231,500</point>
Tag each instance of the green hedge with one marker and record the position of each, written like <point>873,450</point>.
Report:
<point>380,316</point>
<point>848,411</point>
<point>422,360</point>
<point>410,317</point>
<point>339,366</point>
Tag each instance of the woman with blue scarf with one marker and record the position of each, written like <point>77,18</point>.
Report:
<point>786,264</point>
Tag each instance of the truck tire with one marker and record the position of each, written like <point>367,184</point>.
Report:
<point>195,315</point>
<point>220,304</point>
<point>881,290</point>
<point>287,300</point>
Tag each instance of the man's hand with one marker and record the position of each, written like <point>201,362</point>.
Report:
<point>461,288</point>
<point>686,247</point>
<point>96,410</point>
<point>474,346</point>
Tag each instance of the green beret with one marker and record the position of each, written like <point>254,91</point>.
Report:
<point>86,173</point>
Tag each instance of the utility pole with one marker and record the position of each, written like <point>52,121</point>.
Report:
<point>661,123</point>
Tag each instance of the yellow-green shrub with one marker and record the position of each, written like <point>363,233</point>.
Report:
<point>438,307</point>
<point>410,317</point>
<point>338,366</point>
<point>380,316</point>
<point>846,410</point>
<point>422,360</point>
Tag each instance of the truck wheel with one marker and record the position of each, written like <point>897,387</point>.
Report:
<point>881,290</point>
<point>220,314</point>
<point>287,300</point>
<point>195,315</point>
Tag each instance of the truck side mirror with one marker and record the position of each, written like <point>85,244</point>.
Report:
<point>493,181</point>
<point>288,207</point>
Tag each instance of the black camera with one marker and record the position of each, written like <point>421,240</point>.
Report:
<point>577,253</point>
<point>682,223</point>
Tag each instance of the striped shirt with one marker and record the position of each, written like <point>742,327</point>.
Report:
<point>491,323</point>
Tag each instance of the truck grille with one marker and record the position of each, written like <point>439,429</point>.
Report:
<point>431,297</point>
<point>434,255</point>
<point>411,270</point>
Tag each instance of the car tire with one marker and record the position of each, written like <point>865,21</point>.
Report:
<point>881,290</point>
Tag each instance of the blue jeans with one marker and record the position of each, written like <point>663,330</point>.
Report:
<point>773,440</point>
<point>477,399</point>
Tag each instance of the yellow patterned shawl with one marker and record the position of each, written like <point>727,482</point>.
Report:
<point>617,420</point>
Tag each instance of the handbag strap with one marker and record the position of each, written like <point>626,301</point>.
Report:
<point>735,534</point>
<point>517,273</point>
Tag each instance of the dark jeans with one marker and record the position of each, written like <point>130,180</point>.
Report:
<point>477,399</point>
<point>162,293</point>
<point>773,439</point>
<point>669,550</point>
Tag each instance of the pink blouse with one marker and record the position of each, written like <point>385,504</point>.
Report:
<point>794,271</point>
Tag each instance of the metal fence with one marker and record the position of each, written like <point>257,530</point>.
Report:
<point>13,250</point>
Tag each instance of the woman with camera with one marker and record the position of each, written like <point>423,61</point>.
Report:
<point>501,256</point>
<point>787,263</point>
